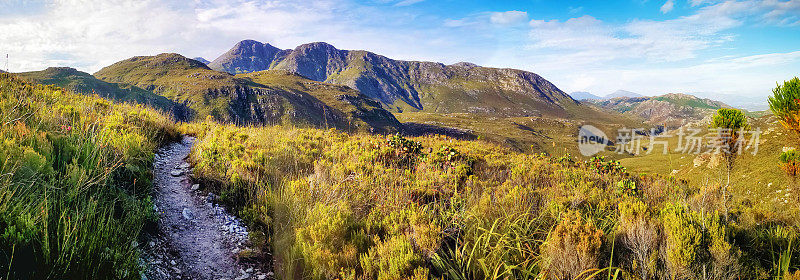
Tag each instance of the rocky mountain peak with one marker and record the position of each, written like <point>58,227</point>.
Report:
<point>245,56</point>
<point>316,46</point>
<point>253,47</point>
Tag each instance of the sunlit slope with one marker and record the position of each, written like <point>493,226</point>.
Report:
<point>85,83</point>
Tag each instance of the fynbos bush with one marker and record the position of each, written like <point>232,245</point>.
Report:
<point>573,247</point>
<point>683,239</point>
<point>640,235</point>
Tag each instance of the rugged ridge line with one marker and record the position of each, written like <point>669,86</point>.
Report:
<point>408,85</point>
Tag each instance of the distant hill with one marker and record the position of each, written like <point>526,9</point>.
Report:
<point>581,95</point>
<point>623,93</point>
<point>203,60</point>
<point>244,100</point>
<point>82,82</point>
<point>671,110</point>
<point>408,86</point>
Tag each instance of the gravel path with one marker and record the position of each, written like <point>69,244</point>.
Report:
<point>197,239</point>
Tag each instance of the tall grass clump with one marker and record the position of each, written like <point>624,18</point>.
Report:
<point>74,182</point>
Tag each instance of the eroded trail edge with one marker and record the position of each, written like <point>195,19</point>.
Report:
<point>196,239</point>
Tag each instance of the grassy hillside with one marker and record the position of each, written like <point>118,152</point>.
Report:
<point>240,99</point>
<point>184,81</point>
<point>74,197</point>
<point>75,184</point>
<point>84,83</point>
<point>359,206</point>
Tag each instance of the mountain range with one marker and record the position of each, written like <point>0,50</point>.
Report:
<point>403,86</point>
<point>203,60</point>
<point>319,85</point>
<point>583,95</point>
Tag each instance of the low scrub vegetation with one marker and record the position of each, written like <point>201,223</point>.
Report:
<point>346,206</point>
<point>74,182</point>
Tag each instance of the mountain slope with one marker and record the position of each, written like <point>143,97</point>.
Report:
<point>341,99</point>
<point>408,85</point>
<point>82,82</point>
<point>228,98</point>
<point>671,110</point>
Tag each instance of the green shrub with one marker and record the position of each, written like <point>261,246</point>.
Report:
<point>790,163</point>
<point>599,164</point>
<point>784,104</point>
<point>724,259</point>
<point>401,152</point>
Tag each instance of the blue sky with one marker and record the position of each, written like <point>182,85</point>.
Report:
<point>730,50</point>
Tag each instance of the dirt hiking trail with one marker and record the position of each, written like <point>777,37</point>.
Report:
<point>196,239</point>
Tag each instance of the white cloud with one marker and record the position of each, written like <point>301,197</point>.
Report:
<point>782,12</point>
<point>752,76</point>
<point>668,6</point>
<point>407,3</point>
<point>484,20</point>
<point>575,10</point>
<point>695,3</point>
<point>89,35</point>
<point>508,18</point>
<point>591,40</point>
